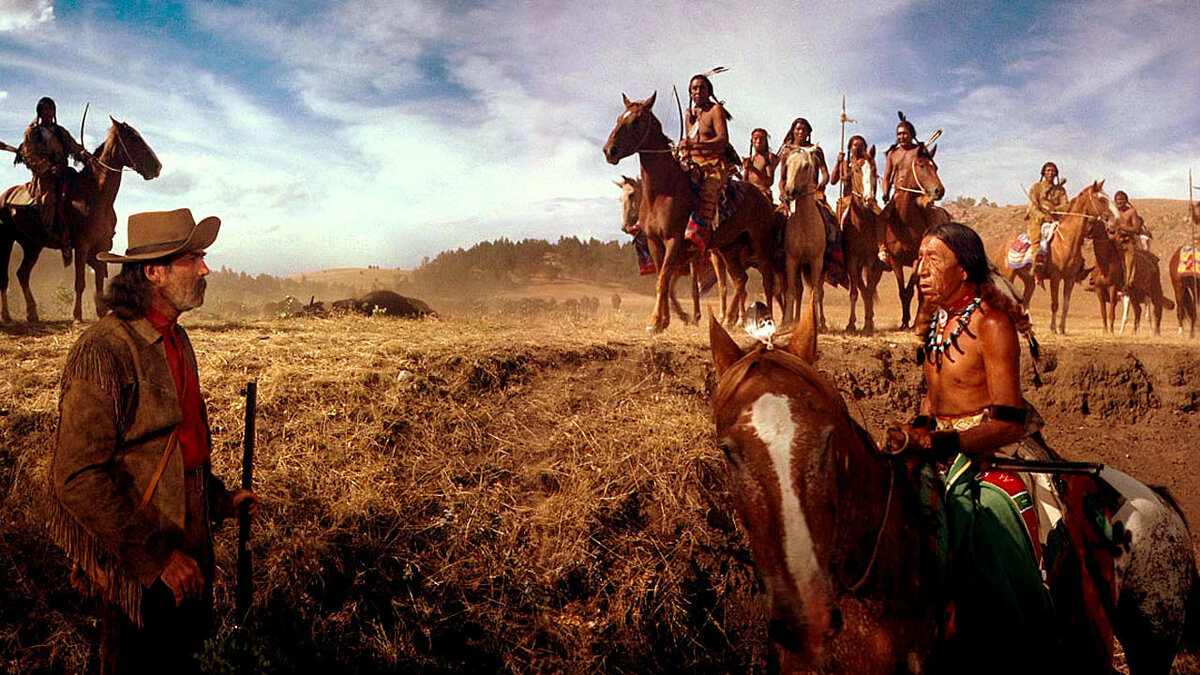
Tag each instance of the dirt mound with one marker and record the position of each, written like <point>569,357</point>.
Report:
<point>384,303</point>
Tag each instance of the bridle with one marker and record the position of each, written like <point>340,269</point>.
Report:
<point>917,180</point>
<point>638,147</point>
<point>124,149</point>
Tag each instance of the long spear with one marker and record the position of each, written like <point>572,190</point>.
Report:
<point>844,151</point>
<point>1191,209</point>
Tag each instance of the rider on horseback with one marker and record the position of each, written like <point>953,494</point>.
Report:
<point>973,408</point>
<point>857,174</point>
<point>1131,234</point>
<point>1047,201</point>
<point>900,158</point>
<point>799,139</point>
<point>705,149</point>
<point>45,150</point>
<point>759,167</point>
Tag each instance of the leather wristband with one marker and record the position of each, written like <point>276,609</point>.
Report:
<point>945,445</point>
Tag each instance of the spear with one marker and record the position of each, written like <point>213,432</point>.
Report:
<point>843,149</point>
<point>1191,208</point>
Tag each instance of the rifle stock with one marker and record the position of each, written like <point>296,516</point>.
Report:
<point>245,562</point>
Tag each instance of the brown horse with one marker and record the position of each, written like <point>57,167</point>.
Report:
<point>668,201</point>
<point>1186,288</point>
<point>1146,288</point>
<point>859,248</point>
<point>832,526</point>
<point>1108,276</point>
<point>909,215</point>
<point>803,237</point>
<point>89,213</point>
<point>1064,264</point>
<point>832,523</point>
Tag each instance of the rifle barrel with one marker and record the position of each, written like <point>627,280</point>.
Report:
<point>245,560</point>
<point>1040,466</point>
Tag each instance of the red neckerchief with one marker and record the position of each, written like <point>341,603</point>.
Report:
<point>966,294</point>
<point>192,434</point>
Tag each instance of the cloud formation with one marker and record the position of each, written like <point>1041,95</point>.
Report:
<point>374,132</point>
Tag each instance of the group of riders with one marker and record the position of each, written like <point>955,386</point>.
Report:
<point>709,155</point>
<point>46,150</point>
<point>992,566</point>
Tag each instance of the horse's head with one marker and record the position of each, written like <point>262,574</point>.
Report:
<point>925,174</point>
<point>1093,204</point>
<point>781,426</point>
<point>126,147</point>
<point>631,200</point>
<point>637,129</point>
<point>798,175</point>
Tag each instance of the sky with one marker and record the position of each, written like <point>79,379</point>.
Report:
<point>380,132</point>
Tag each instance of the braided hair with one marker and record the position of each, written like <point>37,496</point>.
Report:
<point>712,98</point>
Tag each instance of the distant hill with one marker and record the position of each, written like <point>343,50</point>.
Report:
<point>361,279</point>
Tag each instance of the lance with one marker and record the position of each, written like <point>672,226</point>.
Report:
<point>845,150</point>
<point>245,561</point>
<point>1191,209</point>
<point>7,147</point>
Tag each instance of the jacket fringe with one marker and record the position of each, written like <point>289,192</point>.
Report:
<point>89,361</point>
<point>109,580</point>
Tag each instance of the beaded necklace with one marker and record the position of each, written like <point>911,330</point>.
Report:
<point>934,347</point>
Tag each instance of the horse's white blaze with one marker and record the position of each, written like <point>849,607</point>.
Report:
<point>625,115</point>
<point>868,181</point>
<point>771,419</point>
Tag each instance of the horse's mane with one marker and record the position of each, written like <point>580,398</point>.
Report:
<point>733,378</point>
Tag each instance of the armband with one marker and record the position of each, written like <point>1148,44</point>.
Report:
<point>1007,413</point>
<point>945,445</point>
<point>925,422</point>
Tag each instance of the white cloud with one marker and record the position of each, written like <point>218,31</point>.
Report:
<point>24,14</point>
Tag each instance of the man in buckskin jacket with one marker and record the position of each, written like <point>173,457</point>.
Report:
<point>134,496</point>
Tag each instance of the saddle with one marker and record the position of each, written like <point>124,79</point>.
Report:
<point>17,196</point>
<point>1189,261</point>
<point>1020,251</point>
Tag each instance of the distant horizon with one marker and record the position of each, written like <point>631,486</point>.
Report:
<point>325,134</point>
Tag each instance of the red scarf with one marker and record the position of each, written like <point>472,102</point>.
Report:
<point>192,434</point>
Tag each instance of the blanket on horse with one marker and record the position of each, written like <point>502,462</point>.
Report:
<point>699,231</point>
<point>1189,261</point>
<point>1020,251</point>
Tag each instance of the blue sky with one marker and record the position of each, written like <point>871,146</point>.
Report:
<point>376,132</point>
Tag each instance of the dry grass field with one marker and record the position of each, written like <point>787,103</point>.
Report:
<point>493,494</point>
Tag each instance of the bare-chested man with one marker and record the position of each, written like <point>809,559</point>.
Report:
<point>972,408</point>
<point>759,167</point>
<point>1131,233</point>
<point>857,176</point>
<point>706,146</point>
<point>900,158</point>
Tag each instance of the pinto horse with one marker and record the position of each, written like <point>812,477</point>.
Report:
<point>1064,263</point>
<point>89,212</point>
<point>1186,287</point>
<point>832,526</point>
<point>909,215</point>
<point>803,236</point>
<point>667,203</point>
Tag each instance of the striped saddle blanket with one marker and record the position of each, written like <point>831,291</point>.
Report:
<point>1189,261</point>
<point>1020,251</point>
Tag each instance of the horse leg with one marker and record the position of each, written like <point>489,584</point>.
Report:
<point>23,272</point>
<point>791,298</point>
<point>736,311</point>
<point>1054,280</point>
<point>817,283</point>
<point>869,295</point>
<point>1068,288</point>
<point>696,266</point>
<point>852,269</point>
<point>1124,315</point>
<point>718,263</point>
<point>905,297</point>
<point>80,286</point>
<point>1030,287</point>
<point>665,259</point>
<point>6,247</point>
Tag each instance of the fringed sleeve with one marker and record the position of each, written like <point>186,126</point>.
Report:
<point>92,516</point>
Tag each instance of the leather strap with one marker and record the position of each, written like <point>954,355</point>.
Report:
<point>158,471</point>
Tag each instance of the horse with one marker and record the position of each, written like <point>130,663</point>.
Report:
<point>860,249</point>
<point>909,215</point>
<point>831,523</point>
<point>1108,276</point>
<point>1064,263</point>
<point>1146,287</point>
<point>1186,291</point>
<point>803,236</point>
<point>88,209</point>
<point>701,276</point>
<point>668,201</point>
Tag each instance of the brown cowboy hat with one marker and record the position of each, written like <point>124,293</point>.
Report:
<point>160,234</point>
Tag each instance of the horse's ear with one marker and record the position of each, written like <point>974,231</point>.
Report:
<point>626,99</point>
<point>933,152</point>
<point>627,179</point>
<point>618,183</point>
<point>725,350</point>
<point>650,101</point>
<point>804,336</point>
<point>1099,185</point>
<point>871,152</point>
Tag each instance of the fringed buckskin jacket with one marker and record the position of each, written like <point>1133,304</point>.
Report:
<point>117,411</point>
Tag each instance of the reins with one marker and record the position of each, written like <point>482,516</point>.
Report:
<point>128,156</point>
<point>916,178</point>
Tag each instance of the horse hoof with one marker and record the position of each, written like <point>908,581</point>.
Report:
<point>850,327</point>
